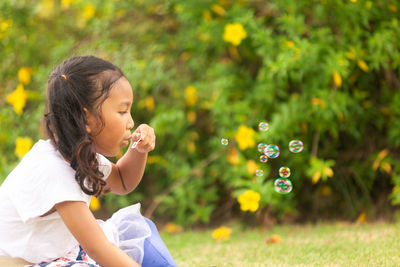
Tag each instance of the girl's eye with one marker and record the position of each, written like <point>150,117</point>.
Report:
<point>122,112</point>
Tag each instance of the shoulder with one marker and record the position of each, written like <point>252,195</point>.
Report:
<point>44,161</point>
<point>42,171</point>
<point>42,179</point>
<point>41,161</point>
<point>43,152</point>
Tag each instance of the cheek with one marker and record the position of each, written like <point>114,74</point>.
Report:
<point>115,126</point>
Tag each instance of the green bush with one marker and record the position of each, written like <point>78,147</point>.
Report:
<point>324,72</point>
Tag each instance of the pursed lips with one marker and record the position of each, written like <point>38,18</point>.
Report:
<point>125,142</point>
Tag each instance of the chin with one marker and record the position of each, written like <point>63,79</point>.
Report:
<point>109,153</point>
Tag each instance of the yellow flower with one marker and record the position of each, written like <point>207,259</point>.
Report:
<point>325,191</point>
<point>24,75</point>
<point>172,228</point>
<point>362,218</point>
<point>251,166</point>
<point>375,165</point>
<point>234,33</point>
<point>191,116</point>
<point>273,239</point>
<point>318,101</point>
<point>191,147</point>
<point>382,154</point>
<point>222,233</point>
<point>363,65</point>
<point>328,172</point>
<point>191,96</point>
<point>289,44</point>
<point>66,3</point>
<point>337,79</point>
<point>245,137</point>
<point>147,103</point>
<point>45,8</point>
<point>316,177</point>
<point>233,156</point>
<point>218,9</point>
<point>249,200</point>
<point>156,159</point>
<point>387,167</point>
<point>22,146</point>
<point>4,25</point>
<point>207,15</point>
<point>88,11</point>
<point>395,188</point>
<point>18,99</point>
<point>94,204</point>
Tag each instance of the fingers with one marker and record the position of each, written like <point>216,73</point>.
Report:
<point>144,139</point>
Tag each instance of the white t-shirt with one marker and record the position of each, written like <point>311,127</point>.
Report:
<point>41,180</point>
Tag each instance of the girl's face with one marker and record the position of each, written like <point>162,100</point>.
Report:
<point>117,119</point>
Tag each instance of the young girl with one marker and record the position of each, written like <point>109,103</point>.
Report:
<point>44,213</point>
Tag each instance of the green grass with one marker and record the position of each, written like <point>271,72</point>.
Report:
<point>339,244</point>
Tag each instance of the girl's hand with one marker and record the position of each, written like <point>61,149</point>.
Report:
<point>143,139</point>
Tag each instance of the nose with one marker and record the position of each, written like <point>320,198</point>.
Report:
<point>131,123</point>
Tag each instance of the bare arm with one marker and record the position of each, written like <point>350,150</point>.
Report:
<point>128,172</point>
<point>84,227</point>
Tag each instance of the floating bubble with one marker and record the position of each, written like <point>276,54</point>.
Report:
<point>295,146</point>
<point>263,158</point>
<point>283,186</point>
<point>259,172</point>
<point>284,172</point>
<point>263,126</point>
<point>224,141</point>
<point>272,151</point>
<point>261,147</point>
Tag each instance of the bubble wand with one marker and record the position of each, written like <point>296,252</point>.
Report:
<point>134,144</point>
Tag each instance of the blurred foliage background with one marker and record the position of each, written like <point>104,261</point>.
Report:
<point>325,72</point>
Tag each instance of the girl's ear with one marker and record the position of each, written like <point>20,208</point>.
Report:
<point>90,121</point>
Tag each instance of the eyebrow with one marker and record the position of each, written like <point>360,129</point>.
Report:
<point>125,103</point>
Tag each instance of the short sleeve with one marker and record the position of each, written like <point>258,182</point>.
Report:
<point>105,166</point>
<point>41,180</point>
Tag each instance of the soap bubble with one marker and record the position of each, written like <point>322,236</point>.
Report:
<point>283,186</point>
<point>263,126</point>
<point>272,151</point>
<point>263,158</point>
<point>284,172</point>
<point>224,141</point>
<point>295,146</point>
<point>261,147</point>
<point>259,172</point>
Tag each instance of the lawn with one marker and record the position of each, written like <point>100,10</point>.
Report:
<point>339,244</point>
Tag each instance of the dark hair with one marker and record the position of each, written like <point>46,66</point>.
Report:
<point>78,83</point>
